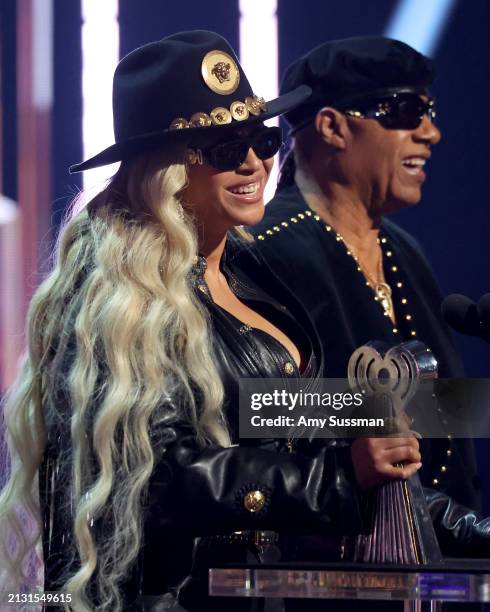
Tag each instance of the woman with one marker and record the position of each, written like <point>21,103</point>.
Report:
<point>126,405</point>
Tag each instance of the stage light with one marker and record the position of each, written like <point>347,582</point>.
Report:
<point>100,54</point>
<point>42,54</point>
<point>8,210</point>
<point>420,23</point>
<point>259,57</point>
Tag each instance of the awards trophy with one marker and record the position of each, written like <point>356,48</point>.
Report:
<point>400,528</point>
<point>397,558</point>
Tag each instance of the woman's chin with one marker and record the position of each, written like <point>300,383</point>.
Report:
<point>249,216</point>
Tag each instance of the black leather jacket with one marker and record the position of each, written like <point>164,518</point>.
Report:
<point>197,492</point>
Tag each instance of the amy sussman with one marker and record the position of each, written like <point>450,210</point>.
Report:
<point>315,422</point>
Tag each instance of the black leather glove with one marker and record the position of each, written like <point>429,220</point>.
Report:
<point>218,490</point>
<point>461,532</point>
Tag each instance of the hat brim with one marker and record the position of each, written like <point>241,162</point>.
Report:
<point>197,135</point>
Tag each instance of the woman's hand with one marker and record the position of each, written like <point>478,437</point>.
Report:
<point>378,460</point>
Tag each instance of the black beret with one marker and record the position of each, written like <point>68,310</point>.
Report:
<point>341,71</point>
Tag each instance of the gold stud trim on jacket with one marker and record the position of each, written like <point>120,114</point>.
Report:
<point>388,251</point>
<point>383,241</point>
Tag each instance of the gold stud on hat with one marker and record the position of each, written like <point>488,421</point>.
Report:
<point>261,102</point>
<point>200,120</point>
<point>255,105</point>
<point>239,111</point>
<point>220,115</point>
<point>220,72</point>
<point>179,124</point>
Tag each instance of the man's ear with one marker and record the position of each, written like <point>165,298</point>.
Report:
<point>331,126</point>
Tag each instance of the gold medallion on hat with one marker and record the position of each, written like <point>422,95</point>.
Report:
<point>253,105</point>
<point>179,124</point>
<point>200,120</point>
<point>239,111</point>
<point>261,102</point>
<point>220,115</point>
<point>220,72</point>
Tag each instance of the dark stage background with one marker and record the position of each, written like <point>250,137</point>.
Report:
<point>452,222</point>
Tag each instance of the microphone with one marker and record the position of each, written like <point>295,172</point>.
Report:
<point>466,317</point>
<point>461,314</point>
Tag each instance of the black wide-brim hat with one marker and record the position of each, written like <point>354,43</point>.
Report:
<point>186,88</point>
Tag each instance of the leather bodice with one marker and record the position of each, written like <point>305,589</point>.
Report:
<point>245,352</point>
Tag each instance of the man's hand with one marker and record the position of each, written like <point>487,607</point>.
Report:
<point>378,460</point>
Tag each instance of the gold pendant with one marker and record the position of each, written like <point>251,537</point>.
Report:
<point>383,293</point>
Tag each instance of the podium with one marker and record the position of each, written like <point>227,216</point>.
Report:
<point>416,588</point>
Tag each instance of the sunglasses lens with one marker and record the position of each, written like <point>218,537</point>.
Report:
<point>410,112</point>
<point>232,154</point>
<point>229,155</point>
<point>267,143</point>
<point>406,113</point>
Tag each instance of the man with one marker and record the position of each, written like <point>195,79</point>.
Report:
<point>361,142</point>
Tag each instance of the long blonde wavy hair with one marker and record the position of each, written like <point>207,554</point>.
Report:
<point>120,284</point>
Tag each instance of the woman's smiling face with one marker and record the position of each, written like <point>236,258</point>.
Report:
<point>221,199</point>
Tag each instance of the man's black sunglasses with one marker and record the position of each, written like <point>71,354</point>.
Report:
<point>231,154</point>
<point>400,111</point>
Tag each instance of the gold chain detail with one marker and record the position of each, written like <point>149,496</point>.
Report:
<point>381,288</point>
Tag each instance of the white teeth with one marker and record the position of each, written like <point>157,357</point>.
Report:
<point>246,189</point>
<point>414,161</point>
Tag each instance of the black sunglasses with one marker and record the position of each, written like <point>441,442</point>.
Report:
<point>231,154</point>
<point>400,111</point>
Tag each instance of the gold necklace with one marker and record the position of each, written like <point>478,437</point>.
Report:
<point>382,290</point>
